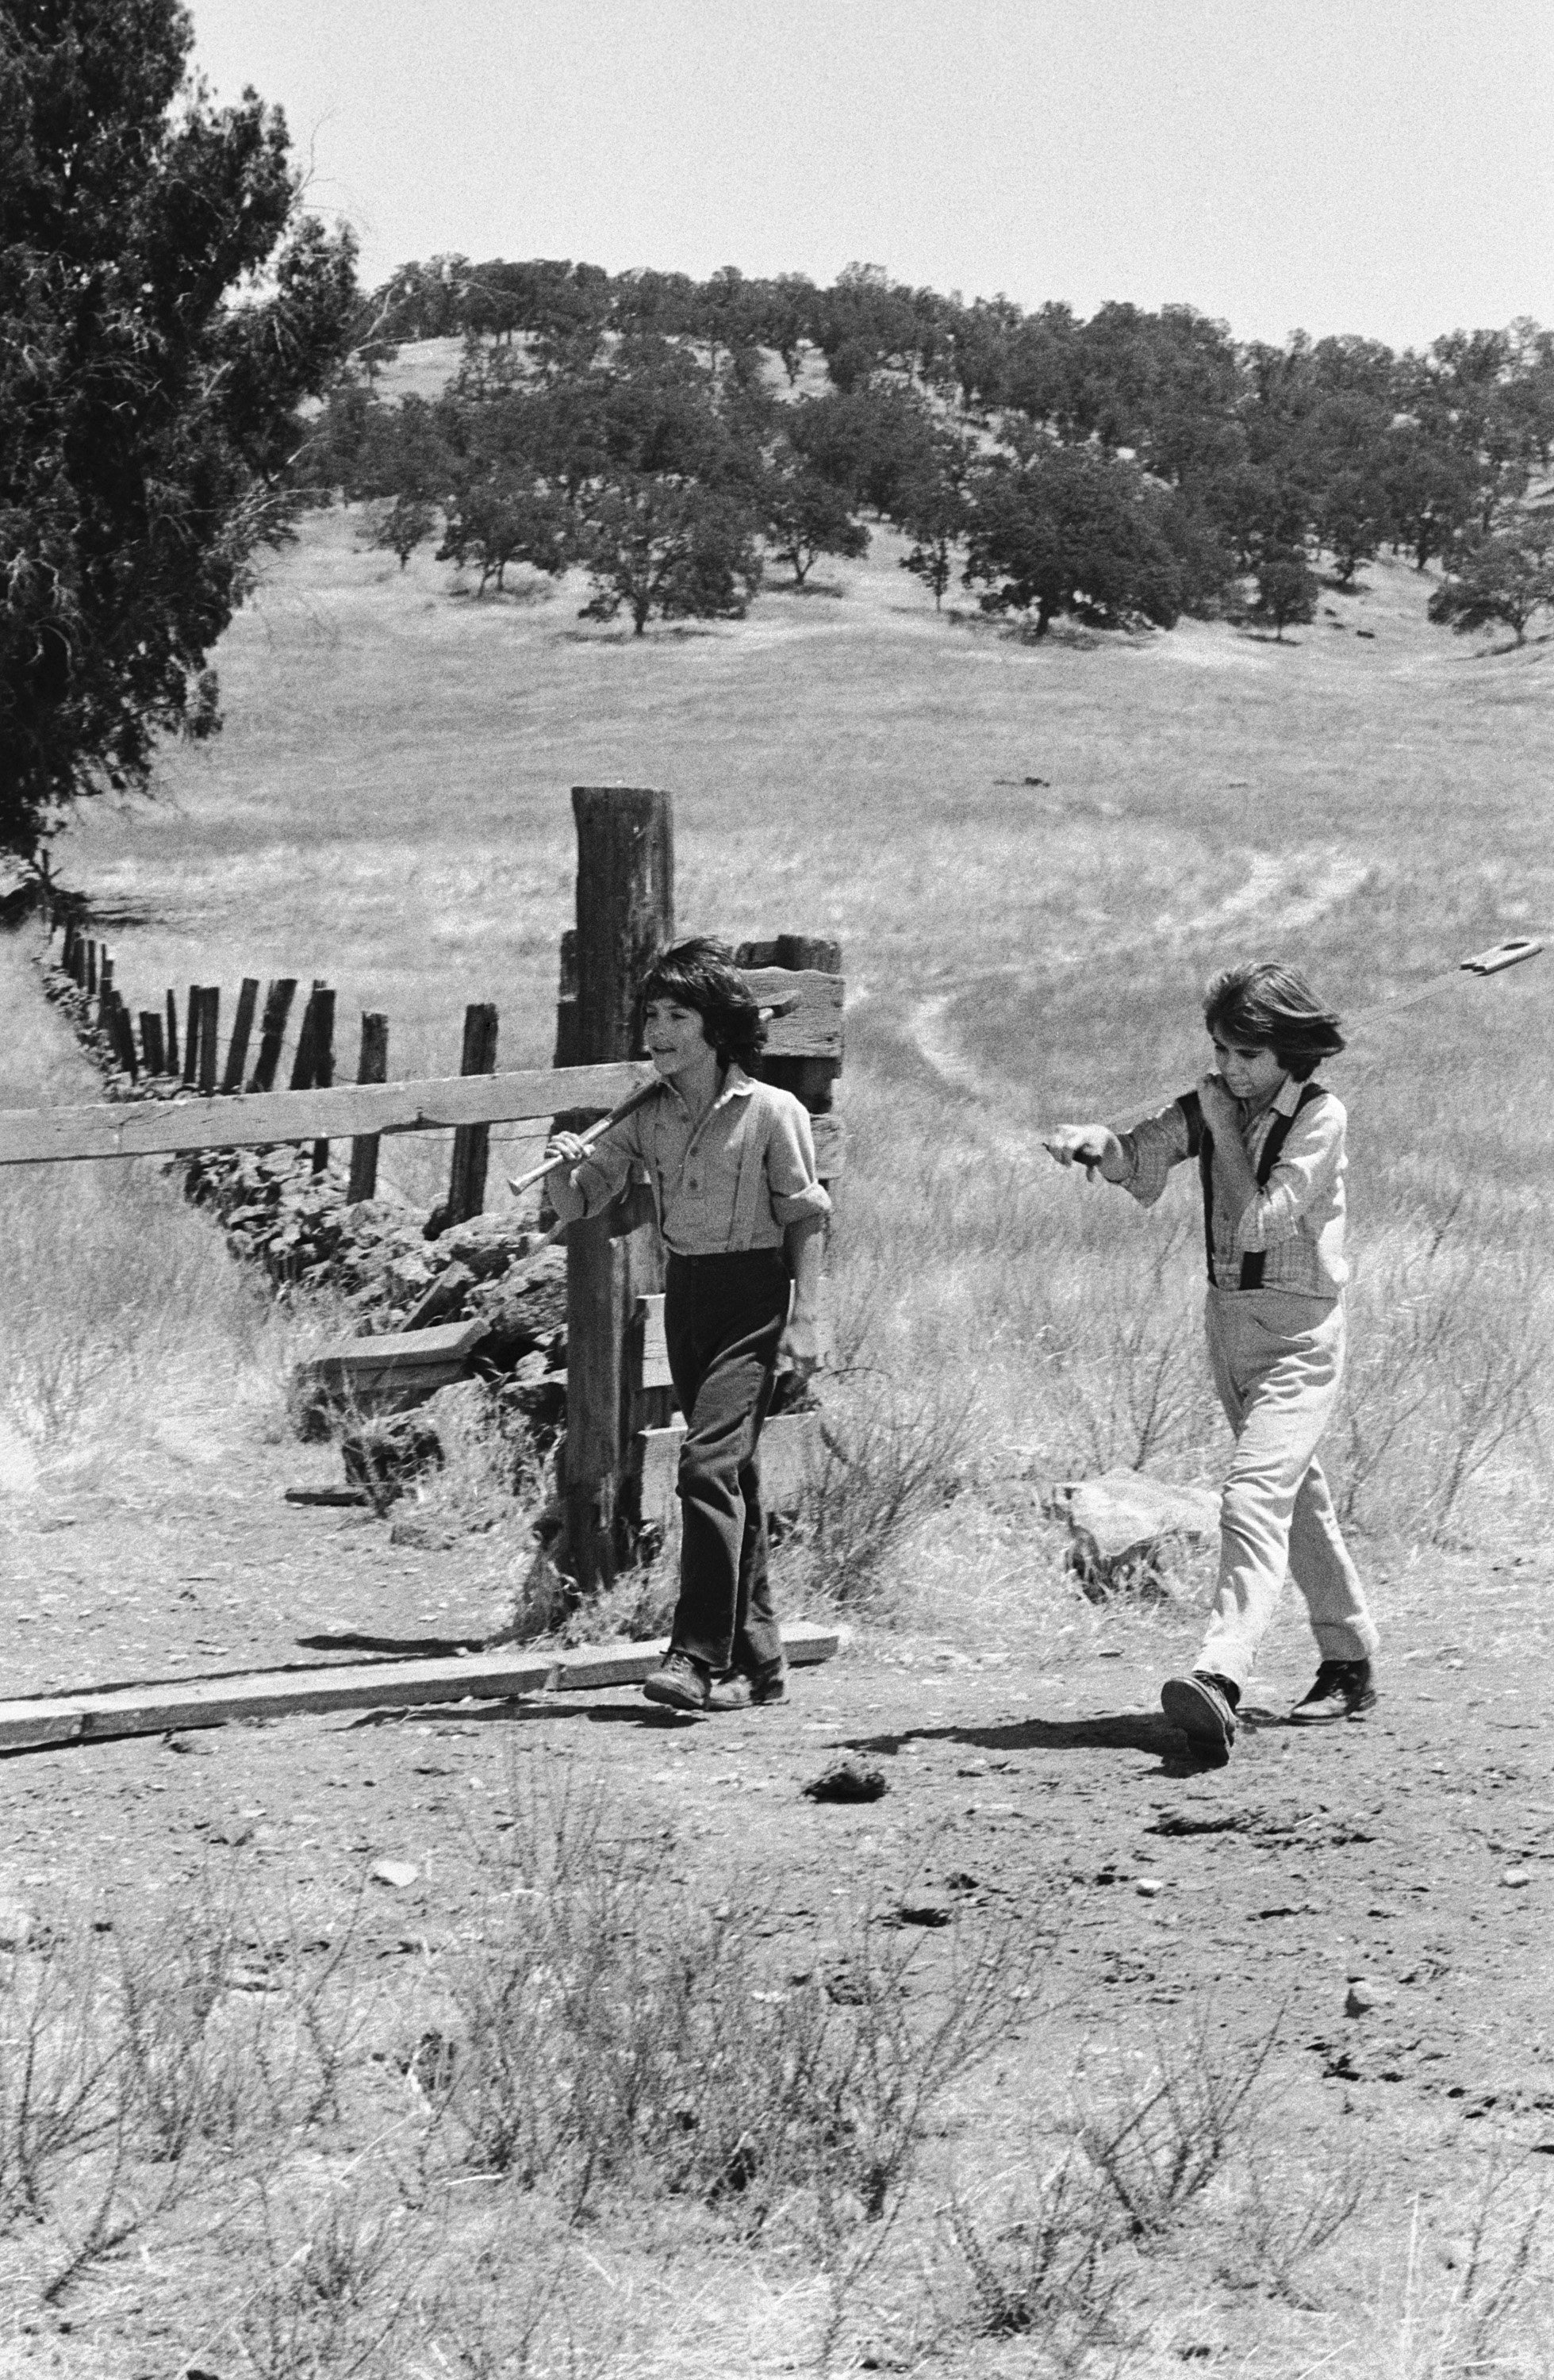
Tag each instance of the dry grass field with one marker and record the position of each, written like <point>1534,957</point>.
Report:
<point>641,2073</point>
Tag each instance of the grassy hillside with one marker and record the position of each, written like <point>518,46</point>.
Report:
<point>388,806</point>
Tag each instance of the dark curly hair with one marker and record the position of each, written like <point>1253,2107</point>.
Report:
<point>1261,1005</point>
<point>699,973</point>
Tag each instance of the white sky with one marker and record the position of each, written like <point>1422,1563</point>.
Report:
<point>1384,167</point>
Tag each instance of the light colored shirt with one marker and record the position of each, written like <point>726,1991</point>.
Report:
<point>733,1182</point>
<point>1296,1223</point>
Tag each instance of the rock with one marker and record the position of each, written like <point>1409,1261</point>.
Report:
<point>489,1245</point>
<point>427,1536</point>
<point>1148,1887</point>
<point>1365,1994</point>
<point>1123,1525</point>
<point>1515,1878</point>
<point>18,1923</point>
<point>444,1301</point>
<point>848,1779</point>
<point>397,1873</point>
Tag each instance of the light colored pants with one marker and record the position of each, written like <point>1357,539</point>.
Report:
<point>1278,1360</point>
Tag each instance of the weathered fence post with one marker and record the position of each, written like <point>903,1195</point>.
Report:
<point>279,994</point>
<point>467,1178</point>
<point>302,1056</point>
<point>323,1057</point>
<point>172,1030</point>
<point>371,1067</point>
<point>626,913</point>
<point>152,1042</point>
<point>210,1034</point>
<point>191,1037</point>
<point>242,1025</point>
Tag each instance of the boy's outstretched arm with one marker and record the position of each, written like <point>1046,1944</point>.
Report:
<point>1093,1146</point>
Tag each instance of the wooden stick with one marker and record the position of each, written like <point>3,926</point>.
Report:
<point>172,1031</point>
<point>595,1131</point>
<point>1493,961</point>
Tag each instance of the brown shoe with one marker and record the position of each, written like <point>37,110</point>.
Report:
<point>742,1688</point>
<point>1344,1690</point>
<point>682,1683</point>
<point>1203,1710</point>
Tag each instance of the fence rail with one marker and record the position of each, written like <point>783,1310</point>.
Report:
<point>130,1128</point>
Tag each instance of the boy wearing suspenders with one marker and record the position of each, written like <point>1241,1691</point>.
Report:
<point>1269,1146</point>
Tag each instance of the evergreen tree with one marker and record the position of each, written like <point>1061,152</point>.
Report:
<point>147,394</point>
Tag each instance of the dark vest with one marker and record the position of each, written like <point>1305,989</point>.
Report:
<point>1200,1143</point>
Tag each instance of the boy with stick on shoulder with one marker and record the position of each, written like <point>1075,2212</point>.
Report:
<point>1270,1145</point>
<point>732,1166</point>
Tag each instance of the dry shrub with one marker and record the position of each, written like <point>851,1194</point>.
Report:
<point>1040,2271</point>
<point>1155,2146</point>
<point>613,2031</point>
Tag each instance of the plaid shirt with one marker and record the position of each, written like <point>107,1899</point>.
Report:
<point>735,1182</point>
<point>1296,1223</point>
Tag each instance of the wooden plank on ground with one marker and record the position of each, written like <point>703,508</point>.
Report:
<point>156,1708</point>
<point>151,1128</point>
<point>393,1370</point>
<point>812,1028</point>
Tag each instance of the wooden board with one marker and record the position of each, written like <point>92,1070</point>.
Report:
<point>392,1351</point>
<point>179,1703</point>
<point>158,1127</point>
<point>393,1371</point>
<point>813,1030</point>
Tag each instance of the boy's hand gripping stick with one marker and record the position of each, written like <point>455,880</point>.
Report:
<point>595,1132</point>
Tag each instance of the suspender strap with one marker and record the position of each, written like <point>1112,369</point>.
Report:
<point>1200,1143</point>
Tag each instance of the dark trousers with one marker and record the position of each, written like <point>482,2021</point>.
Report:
<point>723,1317</point>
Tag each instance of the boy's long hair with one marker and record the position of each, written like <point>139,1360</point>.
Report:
<point>699,973</point>
<point>1261,1005</point>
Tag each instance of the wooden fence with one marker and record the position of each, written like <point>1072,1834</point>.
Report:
<point>619,1417</point>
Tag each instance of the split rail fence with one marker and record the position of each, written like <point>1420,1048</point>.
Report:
<point>620,1432</point>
